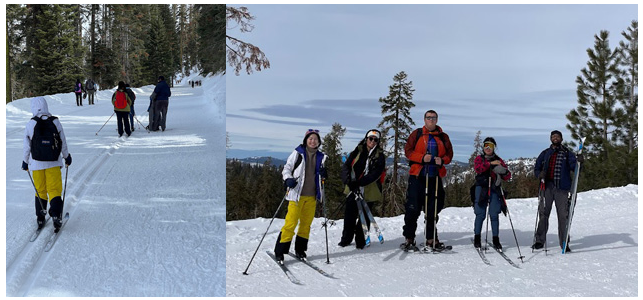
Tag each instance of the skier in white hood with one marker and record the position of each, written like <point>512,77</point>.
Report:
<point>45,147</point>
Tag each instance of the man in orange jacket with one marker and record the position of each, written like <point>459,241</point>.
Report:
<point>428,149</point>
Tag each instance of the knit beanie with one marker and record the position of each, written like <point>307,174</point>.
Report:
<point>308,133</point>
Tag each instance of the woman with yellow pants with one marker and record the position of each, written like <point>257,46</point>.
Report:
<point>44,147</point>
<point>301,175</point>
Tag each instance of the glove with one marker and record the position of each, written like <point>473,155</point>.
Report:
<point>498,180</point>
<point>353,185</point>
<point>580,158</point>
<point>25,166</point>
<point>323,173</point>
<point>291,182</point>
<point>503,208</point>
<point>541,176</point>
<point>68,159</point>
<point>500,170</point>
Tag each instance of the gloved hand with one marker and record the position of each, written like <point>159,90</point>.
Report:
<point>323,173</point>
<point>291,182</point>
<point>498,180</point>
<point>353,185</point>
<point>580,158</point>
<point>503,208</point>
<point>541,176</point>
<point>25,166</point>
<point>68,159</point>
<point>500,170</point>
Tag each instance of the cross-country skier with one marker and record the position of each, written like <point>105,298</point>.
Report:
<point>363,171</point>
<point>301,175</point>
<point>491,170</point>
<point>122,106</point>
<point>45,160</point>
<point>554,165</point>
<point>428,149</point>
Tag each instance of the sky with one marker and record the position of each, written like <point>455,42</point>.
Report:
<point>506,70</point>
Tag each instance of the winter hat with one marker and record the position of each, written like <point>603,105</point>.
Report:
<point>161,78</point>
<point>373,132</point>
<point>308,133</point>
<point>556,132</point>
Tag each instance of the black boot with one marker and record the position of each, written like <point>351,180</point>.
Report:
<point>281,249</point>
<point>409,245</point>
<point>496,243</point>
<point>41,211</point>
<point>56,211</point>
<point>301,245</point>
<point>476,241</point>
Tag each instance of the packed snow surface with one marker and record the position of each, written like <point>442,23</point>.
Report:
<point>147,211</point>
<point>603,261</point>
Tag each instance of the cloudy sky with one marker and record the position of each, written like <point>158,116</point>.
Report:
<point>507,70</point>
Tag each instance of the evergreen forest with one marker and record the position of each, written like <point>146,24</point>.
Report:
<point>50,46</point>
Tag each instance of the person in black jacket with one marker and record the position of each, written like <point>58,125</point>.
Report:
<point>132,97</point>
<point>78,90</point>
<point>160,102</point>
<point>553,167</point>
<point>362,172</point>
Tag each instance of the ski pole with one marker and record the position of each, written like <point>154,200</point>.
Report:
<point>426,201</point>
<point>264,235</point>
<point>435,211</point>
<point>101,128</point>
<point>64,190</point>
<point>512,224</point>
<point>139,122</point>
<point>322,182</point>
<point>486,235</point>
<point>42,210</point>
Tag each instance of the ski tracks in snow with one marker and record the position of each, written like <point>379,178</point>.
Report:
<point>22,272</point>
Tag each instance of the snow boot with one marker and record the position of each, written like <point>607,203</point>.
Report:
<point>41,211</point>
<point>57,224</point>
<point>409,245</point>
<point>301,245</point>
<point>476,241</point>
<point>41,222</point>
<point>496,243</point>
<point>537,245</point>
<point>438,245</point>
<point>281,249</point>
<point>343,244</point>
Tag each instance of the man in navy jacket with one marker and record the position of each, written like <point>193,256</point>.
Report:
<point>162,97</point>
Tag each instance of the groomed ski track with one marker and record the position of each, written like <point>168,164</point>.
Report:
<point>146,212</point>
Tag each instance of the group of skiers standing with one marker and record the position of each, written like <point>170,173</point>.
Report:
<point>193,83</point>
<point>86,91</point>
<point>428,150</point>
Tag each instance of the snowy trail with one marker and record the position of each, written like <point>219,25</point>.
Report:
<point>146,211</point>
<point>604,261</point>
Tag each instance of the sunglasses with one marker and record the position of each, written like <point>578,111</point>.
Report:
<point>373,139</point>
<point>431,118</point>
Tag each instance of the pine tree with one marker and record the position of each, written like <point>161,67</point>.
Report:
<point>212,31</point>
<point>596,90</point>
<point>55,64</point>
<point>397,118</point>
<point>477,148</point>
<point>332,147</point>
<point>242,54</point>
<point>629,100</point>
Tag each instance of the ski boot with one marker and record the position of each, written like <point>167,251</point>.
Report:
<point>301,245</point>
<point>476,241</point>
<point>301,255</point>
<point>41,222</point>
<point>409,246</point>
<point>57,224</point>
<point>496,243</point>
<point>438,247</point>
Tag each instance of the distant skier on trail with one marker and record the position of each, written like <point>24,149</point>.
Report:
<point>428,149</point>
<point>363,170</point>
<point>160,102</point>
<point>91,90</point>
<point>132,97</point>
<point>45,160</point>
<point>490,170</point>
<point>78,90</point>
<point>554,166</point>
<point>301,174</point>
<point>122,104</point>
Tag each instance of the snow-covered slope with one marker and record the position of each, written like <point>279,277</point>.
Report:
<point>147,212</point>
<point>604,261</point>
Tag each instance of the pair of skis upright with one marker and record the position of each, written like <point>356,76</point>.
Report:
<point>364,212</point>
<point>574,193</point>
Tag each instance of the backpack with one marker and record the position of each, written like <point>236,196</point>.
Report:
<point>46,143</point>
<point>121,100</point>
<point>78,88</point>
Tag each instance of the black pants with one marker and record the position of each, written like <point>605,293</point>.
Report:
<point>415,198</point>
<point>79,99</point>
<point>160,114</point>
<point>352,229</point>
<point>123,120</point>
